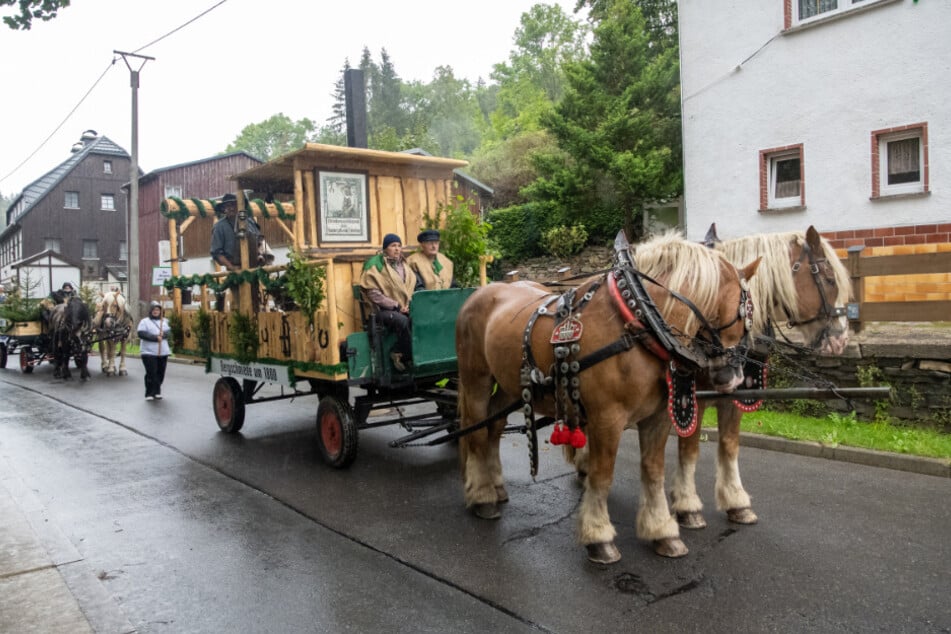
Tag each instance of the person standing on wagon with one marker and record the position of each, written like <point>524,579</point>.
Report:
<point>433,269</point>
<point>226,245</point>
<point>388,284</point>
<point>154,331</point>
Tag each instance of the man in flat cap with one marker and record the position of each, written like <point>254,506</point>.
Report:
<point>433,269</point>
<point>388,284</point>
<point>225,249</point>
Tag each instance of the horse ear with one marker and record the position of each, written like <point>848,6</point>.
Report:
<point>813,239</point>
<point>749,270</point>
<point>711,238</point>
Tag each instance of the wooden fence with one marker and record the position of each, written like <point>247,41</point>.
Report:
<point>861,268</point>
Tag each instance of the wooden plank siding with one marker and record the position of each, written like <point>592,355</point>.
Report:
<point>924,279</point>
<point>209,178</point>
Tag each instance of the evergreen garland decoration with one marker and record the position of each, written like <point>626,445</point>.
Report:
<point>232,280</point>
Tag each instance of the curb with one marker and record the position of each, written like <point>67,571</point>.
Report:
<point>869,457</point>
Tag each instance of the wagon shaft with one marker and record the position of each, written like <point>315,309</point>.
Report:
<point>790,393</point>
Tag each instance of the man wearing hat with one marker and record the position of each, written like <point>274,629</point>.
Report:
<point>225,248</point>
<point>433,270</point>
<point>388,284</point>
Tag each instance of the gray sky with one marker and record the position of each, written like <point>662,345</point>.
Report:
<point>240,63</point>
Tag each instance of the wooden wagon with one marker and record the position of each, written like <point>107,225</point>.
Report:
<point>334,205</point>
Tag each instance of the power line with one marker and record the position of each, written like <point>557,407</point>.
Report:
<point>179,28</point>
<point>61,124</point>
<point>96,83</point>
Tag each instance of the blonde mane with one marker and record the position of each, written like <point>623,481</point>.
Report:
<point>689,268</point>
<point>773,288</point>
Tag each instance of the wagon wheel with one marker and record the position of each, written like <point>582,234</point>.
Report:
<point>3,355</point>
<point>337,438</point>
<point>26,365</point>
<point>228,402</point>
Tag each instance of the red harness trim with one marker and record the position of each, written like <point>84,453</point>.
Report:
<point>634,324</point>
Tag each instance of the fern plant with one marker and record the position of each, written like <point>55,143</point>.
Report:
<point>304,282</point>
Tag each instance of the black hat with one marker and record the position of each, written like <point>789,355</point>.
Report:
<point>390,238</point>
<point>429,235</point>
<point>226,199</point>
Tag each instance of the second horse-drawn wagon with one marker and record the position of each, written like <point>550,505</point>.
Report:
<point>266,325</point>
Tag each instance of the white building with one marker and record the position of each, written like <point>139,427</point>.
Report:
<point>833,113</point>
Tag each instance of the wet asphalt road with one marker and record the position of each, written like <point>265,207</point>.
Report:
<point>186,529</point>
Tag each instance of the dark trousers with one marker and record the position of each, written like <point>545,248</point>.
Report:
<point>154,373</point>
<point>398,323</point>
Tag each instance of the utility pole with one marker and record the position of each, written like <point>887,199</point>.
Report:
<point>132,235</point>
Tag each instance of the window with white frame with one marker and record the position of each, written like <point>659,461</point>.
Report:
<point>900,160</point>
<point>90,249</point>
<point>107,167</point>
<point>107,202</point>
<point>72,200</point>
<point>781,178</point>
<point>173,191</point>
<point>53,244</point>
<point>123,251</point>
<point>806,11</point>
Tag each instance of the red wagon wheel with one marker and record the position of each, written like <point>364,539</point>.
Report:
<point>228,402</point>
<point>26,363</point>
<point>337,438</point>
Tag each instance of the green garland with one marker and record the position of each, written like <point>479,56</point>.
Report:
<point>233,280</point>
<point>243,335</point>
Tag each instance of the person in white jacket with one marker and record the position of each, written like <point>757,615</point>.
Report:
<point>154,331</point>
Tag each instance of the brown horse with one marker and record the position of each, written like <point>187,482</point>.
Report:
<point>70,328</point>
<point>801,283</point>
<point>496,332</point>
<point>113,323</point>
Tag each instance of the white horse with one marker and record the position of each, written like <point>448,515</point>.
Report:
<point>113,324</point>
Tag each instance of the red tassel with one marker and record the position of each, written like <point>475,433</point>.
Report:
<point>558,435</point>
<point>578,439</point>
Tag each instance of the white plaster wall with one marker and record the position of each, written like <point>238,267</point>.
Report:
<point>827,87</point>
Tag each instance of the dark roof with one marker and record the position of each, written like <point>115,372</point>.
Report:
<point>42,254</point>
<point>38,189</point>
<point>157,172</point>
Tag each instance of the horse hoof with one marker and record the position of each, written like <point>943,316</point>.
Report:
<point>691,519</point>
<point>603,553</point>
<point>742,516</point>
<point>670,547</point>
<point>502,495</point>
<point>487,511</point>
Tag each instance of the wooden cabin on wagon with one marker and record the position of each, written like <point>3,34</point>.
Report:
<point>334,204</point>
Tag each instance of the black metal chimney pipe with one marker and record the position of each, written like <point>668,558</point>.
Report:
<point>356,100</point>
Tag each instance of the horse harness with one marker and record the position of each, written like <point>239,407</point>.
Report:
<point>644,325</point>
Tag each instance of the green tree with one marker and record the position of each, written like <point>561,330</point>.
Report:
<point>533,79</point>
<point>453,114</point>
<point>273,137</point>
<point>618,126</point>
<point>30,10</point>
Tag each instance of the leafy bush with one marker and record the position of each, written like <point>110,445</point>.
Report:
<point>562,241</point>
<point>517,230</point>
<point>304,282</point>
<point>243,335</point>
<point>463,239</point>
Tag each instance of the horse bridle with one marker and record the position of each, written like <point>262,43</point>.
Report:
<point>827,311</point>
<point>641,308</point>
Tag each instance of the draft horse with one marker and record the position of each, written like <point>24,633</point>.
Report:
<point>607,371</point>
<point>113,324</point>
<point>802,284</point>
<point>71,336</point>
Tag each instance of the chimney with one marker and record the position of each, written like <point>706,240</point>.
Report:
<point>356,99</point>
